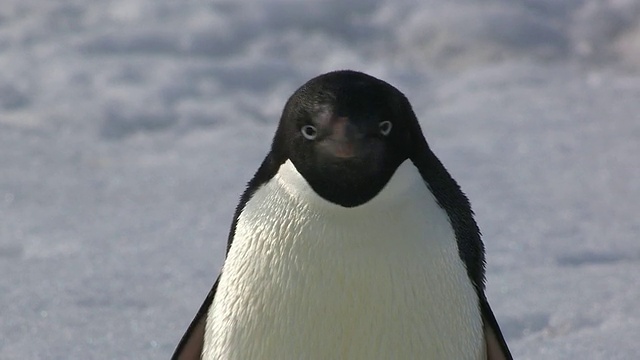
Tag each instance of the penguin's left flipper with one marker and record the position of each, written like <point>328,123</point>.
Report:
<point>496,345</point>
<point>192,342</point>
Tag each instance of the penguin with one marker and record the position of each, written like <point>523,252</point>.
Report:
<point>351,241</point>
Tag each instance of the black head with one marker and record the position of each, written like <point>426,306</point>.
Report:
<point>346,132</point>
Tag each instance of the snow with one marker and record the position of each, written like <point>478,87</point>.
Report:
<point>129,128</point>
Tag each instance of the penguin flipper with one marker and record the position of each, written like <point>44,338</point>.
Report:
<point>496,346</point>
<point>192,342</point>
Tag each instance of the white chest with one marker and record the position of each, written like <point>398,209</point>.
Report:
<point>307,279</point>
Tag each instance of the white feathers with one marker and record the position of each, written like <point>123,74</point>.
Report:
<point>308,279</point>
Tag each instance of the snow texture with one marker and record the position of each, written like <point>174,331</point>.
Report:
<point>128,129</point>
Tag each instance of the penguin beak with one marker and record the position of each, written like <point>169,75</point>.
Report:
<point>343,140</point>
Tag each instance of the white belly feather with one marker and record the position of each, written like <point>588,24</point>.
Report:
<point>308,279</point>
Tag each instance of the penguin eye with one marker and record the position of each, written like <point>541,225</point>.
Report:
<point>385,127</point>
<point>309,132</point>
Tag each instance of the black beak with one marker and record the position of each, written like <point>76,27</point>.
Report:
<point>343,139</point>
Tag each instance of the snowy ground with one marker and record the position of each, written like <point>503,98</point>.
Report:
<point>128,129</point>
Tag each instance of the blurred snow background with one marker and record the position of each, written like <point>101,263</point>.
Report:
<point>128,129</point>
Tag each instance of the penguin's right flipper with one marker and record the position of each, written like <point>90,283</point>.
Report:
<point>496,346</point>
<point>192,342</point>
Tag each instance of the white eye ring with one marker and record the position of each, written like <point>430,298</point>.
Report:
<point>309,132</point>
<point>385,127</point>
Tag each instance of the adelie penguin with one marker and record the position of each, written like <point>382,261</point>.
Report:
<point>352,241</point>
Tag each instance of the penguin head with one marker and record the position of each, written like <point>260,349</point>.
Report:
<point>346,133</point>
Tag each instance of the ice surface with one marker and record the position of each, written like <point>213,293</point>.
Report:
<point>129,128</point>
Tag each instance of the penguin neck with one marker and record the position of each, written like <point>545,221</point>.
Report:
<point>390,206</point>
<point>395,192</point>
